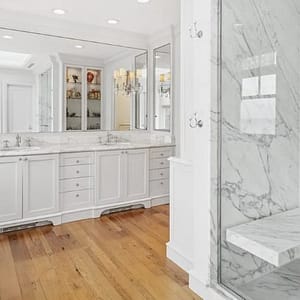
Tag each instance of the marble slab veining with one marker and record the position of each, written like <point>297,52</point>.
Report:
<point>283,283</point>
<point>275,239</point>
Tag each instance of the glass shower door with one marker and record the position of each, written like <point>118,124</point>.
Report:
<point>259,146</point>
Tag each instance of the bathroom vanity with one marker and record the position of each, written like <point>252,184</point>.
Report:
<point>67,183</point>
<point>81,134</point>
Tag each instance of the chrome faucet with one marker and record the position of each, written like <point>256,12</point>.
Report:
<point>109,137</point>
<point>18,140</point>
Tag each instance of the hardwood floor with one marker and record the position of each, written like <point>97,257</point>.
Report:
<point>121,256</point>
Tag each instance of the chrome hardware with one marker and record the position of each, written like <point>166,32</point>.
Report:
<point>18,140</point>
<point>78,161</point>
<point>77,196</point>
<point>77,184</point>
<point>195,122</point>
<point>195,32</point>
<point>5,144</point>
<point>77,172</point>
<point>28,141</point>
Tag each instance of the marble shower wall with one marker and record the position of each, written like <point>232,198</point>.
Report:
<point>260,122</point>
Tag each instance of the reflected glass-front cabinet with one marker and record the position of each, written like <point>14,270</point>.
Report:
<point>83,95</point>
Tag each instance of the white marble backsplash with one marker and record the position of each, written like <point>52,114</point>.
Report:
<point>85,138</point>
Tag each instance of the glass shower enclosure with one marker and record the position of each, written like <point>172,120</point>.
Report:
<point>259,149</point>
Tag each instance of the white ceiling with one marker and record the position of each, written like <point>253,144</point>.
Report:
<point>38,44</point>
<point>146,19</point>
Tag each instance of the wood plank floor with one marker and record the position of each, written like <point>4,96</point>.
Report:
<point>121,256</point>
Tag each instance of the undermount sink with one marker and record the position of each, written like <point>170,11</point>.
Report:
<point>20,148</point>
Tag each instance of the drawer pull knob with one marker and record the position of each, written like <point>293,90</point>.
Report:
<point>77,196</point>
<point>162,163</point>
<point>77,184</point>
<point>162,183</point>
<point>161,174</point>
<point>78,161</point>
<point>77,172</point>
<point>161,154</point>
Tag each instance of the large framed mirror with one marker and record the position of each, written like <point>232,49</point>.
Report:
<point>56,84</point>
<point>163,88</point>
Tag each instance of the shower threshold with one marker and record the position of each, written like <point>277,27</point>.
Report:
<point>275,239</point>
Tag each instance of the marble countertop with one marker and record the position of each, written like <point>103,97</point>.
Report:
<point>68,148</point>
<point>275,239</point>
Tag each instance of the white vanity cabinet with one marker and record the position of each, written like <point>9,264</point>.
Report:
<point>109,177</point>
<point>28,187</point>
<point>40,185</point>
<point>159,174</point>
<point>121,176</point>
<point>76,180</point>
<point>136,174</point>
<point>10,189</point>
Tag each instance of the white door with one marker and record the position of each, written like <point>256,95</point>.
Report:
<point>40,185</point>
<point>10,189</point>
<point>109,174</point>
<point>137,174</point>
<point>20,108</point>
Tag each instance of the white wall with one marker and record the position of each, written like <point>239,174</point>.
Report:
<point>195,143</point>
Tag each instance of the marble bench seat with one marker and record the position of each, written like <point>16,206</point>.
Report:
<point>275,239</point>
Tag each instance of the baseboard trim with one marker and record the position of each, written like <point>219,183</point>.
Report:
<point>206,292</point>
<point>178,258</point>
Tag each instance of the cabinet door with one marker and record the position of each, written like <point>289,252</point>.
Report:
<point>109,174</point>
<point>40,185</point>
<point>10,189</point>
<point>137,174</point>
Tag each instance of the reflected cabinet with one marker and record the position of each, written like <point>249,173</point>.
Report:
<point>83,96</point>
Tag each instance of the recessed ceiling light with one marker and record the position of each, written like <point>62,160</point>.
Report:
<point>113,21</point>
<point>78,46</point>
<point>143,1</point>
<point>7,37</point>
<point>59,11</point>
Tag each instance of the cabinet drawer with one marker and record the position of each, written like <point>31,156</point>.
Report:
<point>159,163</point>
<point>75,159</point>
<point>69,185</point>
<point>71,172</point>
<point>76,200</point>
<point>161,153</point>
<point>159,174</point>
<point>159,187</point>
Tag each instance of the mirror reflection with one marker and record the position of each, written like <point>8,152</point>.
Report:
<point>53,84</point>
<point>162,88</point>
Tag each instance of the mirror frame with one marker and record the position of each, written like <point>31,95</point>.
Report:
<point>154,88</point>
<point>147,97</point>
